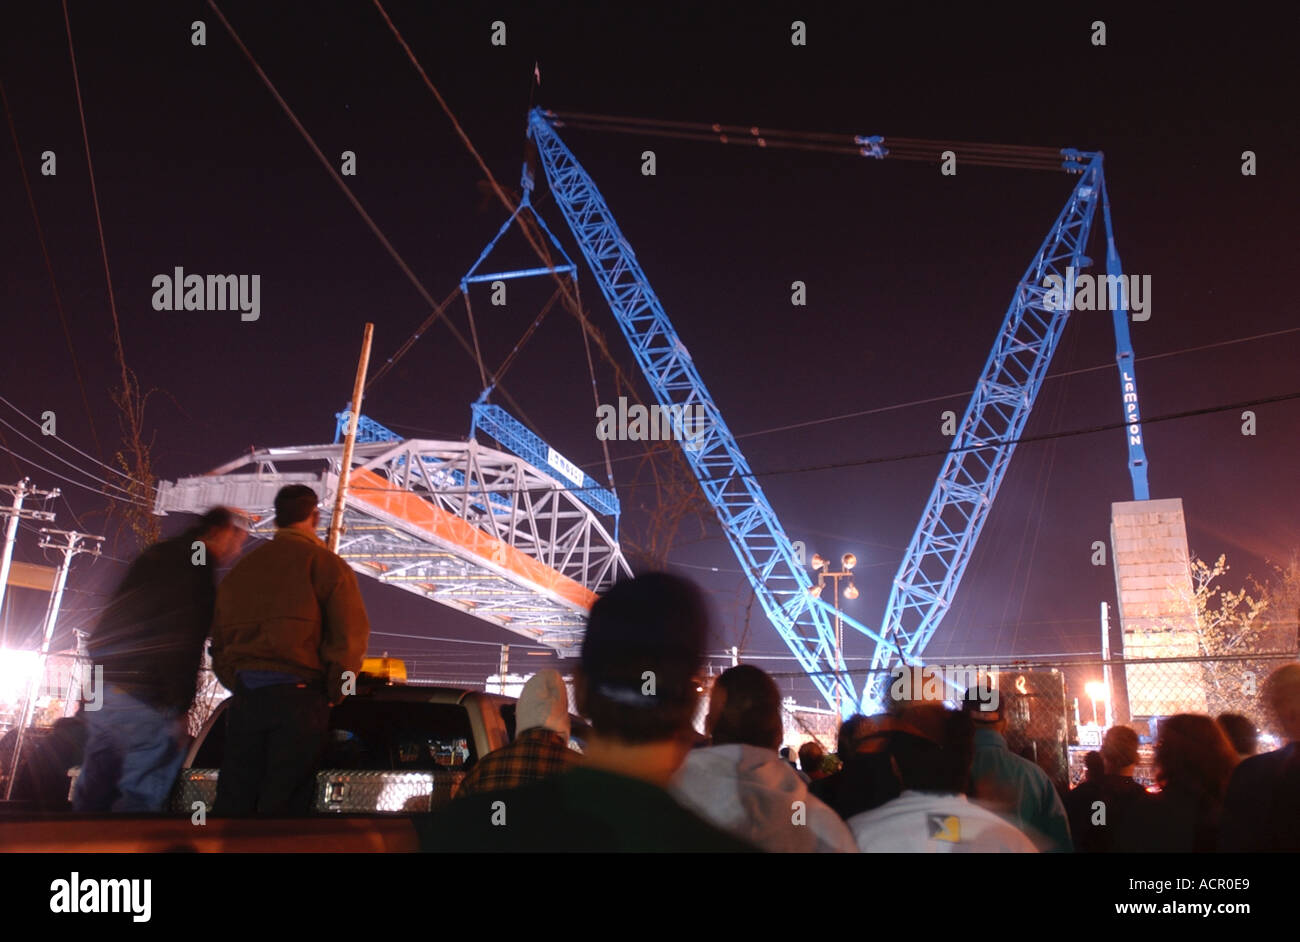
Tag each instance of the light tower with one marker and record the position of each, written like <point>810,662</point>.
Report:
<point>822,568</point>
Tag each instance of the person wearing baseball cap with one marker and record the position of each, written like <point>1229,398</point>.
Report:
<point>1011,785</point>
<point>638,684</point>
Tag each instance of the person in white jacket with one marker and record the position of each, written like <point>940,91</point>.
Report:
<point>741,785</point>
<point>931,753</point>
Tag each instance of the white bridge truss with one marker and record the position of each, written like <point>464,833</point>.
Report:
<point>470,527</point>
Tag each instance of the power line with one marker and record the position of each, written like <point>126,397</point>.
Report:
<point>930,400</point>
<point>1069,433</point>
<point>49,269</point>
<point>58,457</point>
<point>991,443</point>
<point>1061,375</point>
<point>69,480</point>
<point>61,441</point>
<point>99,220</point>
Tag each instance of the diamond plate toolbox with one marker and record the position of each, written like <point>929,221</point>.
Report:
<point>345,792</point>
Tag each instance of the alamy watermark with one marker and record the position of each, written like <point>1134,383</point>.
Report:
<point>638,423</point>
<point>85,682</point>
<point>181,292</point>
<point>87,895</point>
<point>913,683</point>
<point>1084,292</point>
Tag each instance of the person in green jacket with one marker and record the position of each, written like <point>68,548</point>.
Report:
<point>1011,785</point>
<point>289,633</point>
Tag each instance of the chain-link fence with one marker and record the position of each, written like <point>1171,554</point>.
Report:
<point>1099,693</point>
<point>1059,707</point>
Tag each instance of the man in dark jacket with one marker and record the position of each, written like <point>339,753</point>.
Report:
<point>288,639</point>
<point>866,780</point>
<point>1105,805</point>
<point>149,643</point>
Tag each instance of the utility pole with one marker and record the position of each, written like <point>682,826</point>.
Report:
<point>76,688</point>
<point>354,414</point>
<point>72,546</point>
<point>20,492</point>
<point>1105,665</point>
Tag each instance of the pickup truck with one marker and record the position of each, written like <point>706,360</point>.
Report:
<point>392,747</point>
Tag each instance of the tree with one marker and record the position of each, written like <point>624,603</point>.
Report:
<point>1282,595</point>
<point>1231,624</point>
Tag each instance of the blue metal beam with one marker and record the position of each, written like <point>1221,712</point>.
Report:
<point>518,273</point>
<point>976,464</point>
<point>518,438</point>
<point>781,583</point>
<point>368,430</point>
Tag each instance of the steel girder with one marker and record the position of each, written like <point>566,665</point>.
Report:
<point>417,517</point>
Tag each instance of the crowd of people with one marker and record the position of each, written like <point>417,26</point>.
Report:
<point>918,778</point>
<point>288,630</point>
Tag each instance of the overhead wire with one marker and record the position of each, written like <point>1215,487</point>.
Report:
<point>58,457</point>
<point>438,310</point>
<point>930,400</point>
<point>992,443</point>
<point>68,480</point>
<point>99,219</point>
<point>69,445</point>
<point>49,269</point>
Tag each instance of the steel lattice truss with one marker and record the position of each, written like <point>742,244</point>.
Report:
<point>470,527</point>
<point>977,462</point>
<point>780,582</point>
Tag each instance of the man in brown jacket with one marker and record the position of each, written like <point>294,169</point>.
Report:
<point>288,637</point>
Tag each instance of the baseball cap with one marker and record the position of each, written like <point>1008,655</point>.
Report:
<point>646,634</point>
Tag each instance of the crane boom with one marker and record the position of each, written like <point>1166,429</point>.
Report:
<point>781,583</point>
<point>976,464</point>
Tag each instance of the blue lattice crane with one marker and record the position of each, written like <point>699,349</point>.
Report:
<point>976,463</point>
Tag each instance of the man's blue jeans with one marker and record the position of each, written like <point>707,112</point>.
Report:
<point>133,753</point>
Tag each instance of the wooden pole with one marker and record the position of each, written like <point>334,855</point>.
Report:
<point>336,521</point>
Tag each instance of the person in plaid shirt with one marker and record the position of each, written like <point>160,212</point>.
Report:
<point>541,745</point>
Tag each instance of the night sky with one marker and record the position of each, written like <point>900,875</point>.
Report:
<point>908,272</point>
